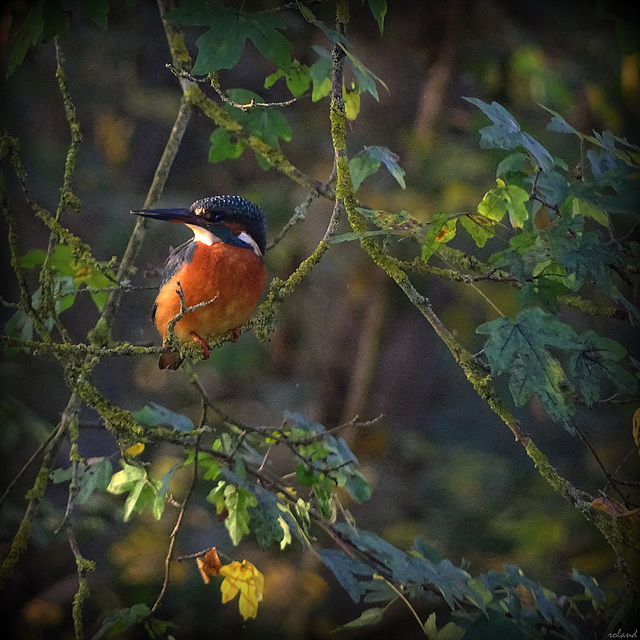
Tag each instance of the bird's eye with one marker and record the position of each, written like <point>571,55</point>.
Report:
<point>216,218</point>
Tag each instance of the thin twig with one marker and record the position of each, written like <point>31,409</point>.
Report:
<point>299,215</point>
<point>174,533</point>
<point>594,453</point>
<point>27,466</point>
<point>225,98</point>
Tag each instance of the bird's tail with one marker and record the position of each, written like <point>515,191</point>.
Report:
<point>170,360</point>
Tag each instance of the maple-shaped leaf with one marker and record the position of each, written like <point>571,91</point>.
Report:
<point>584,255</point>
<point>519,347</point>
<point>597,361</point>
<point>222,45</point>
<point>143,491</point>
<point>209,565</point>
<point>442,229</point>
<point>236,500</point>
<point>242,577</point>
<point>505,133</point>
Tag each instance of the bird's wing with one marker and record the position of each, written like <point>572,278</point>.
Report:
<point>178,256</point>
<point>176,259</point>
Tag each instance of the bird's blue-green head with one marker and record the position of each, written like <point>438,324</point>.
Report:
<point>230,219</point>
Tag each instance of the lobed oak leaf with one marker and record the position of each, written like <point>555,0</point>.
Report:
<point>209,565</point>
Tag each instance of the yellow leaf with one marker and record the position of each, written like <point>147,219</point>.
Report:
<point>242,577</point>
<point>636,426</point>
<point>135,449</point>
<point>352,104</point>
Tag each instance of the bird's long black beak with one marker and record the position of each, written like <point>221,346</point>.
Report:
<point>185,216</point>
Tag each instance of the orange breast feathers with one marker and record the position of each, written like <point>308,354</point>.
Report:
<point>232,277</point>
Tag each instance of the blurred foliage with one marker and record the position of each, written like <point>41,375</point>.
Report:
<point>529,239</point>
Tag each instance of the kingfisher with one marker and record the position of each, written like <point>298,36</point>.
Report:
<point>220,271</point>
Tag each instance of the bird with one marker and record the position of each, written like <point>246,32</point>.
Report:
<point>220,271</point>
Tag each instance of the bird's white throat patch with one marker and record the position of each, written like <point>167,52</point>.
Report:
<point>203,235</point>
<point>207,237</point>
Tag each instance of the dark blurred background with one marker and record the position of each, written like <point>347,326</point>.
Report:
<point>347,342</point>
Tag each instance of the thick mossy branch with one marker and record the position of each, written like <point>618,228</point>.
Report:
<point>275,157</point>
<point>65,350</point>
<point>119,421</point>
<point>477,376</point>
<point>264,321</point>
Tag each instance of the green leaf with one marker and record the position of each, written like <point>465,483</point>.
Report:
<point>33,258</point>
<point>595,362</point>
<point>298,79</point>
<point>515,199</point>
<point>450,631</point>
<point>348,571</point>
<point>320,73</point>
<point>591,586</point>
<point>221,46</point>
<point>269,527</point>
<point>427,552</point>
<point>126,479</point>
<point>27,35</point>
<point>390,160</point>
<point>519,349</point>
<point>362,166</point>
<point>442,230</point>
<point>586,210</point>
<point>479,228</point>
<point>122,619</point>
<point>143,492</point>
<point>95,474</point>
<point>365,78</point>
<point>493,205</point>
<point>513,163</point>
<point>236,500</point>
<point>357,486</point>
<point>223,147</point>
<point>584,256</point>
<point>560,125</point>
<point>56,20</point>
<point>98,11</point>
<point>366,618</point>
<point>264,31</point>
<point>64,290</point>
<point>19,325</point>
<point>153,415</point>
<point>268,124</point>
<point>550,187</point>
<point>306,13</point>
<point>379,10</point>
<point>506,134</point>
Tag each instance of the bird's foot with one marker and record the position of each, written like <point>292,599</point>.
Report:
<point>205,347</point>
<point>235,334</point>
